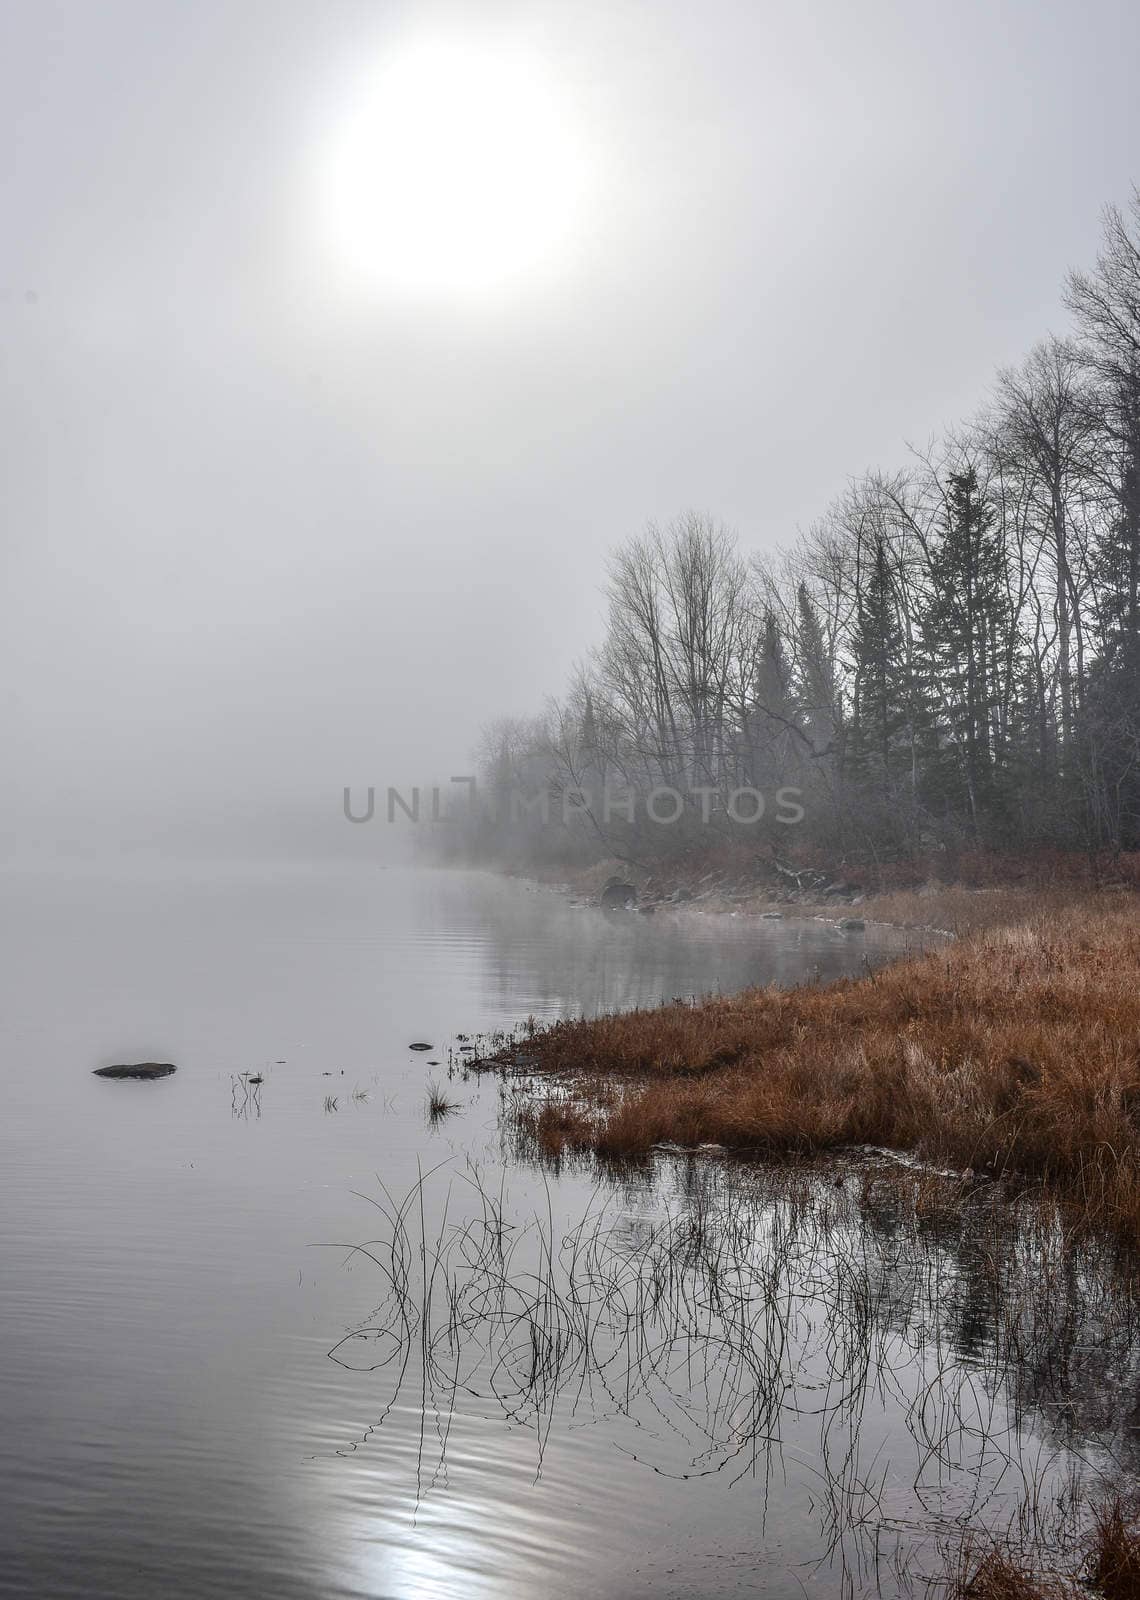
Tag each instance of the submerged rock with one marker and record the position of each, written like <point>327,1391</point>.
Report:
<point>138,1069</point>
<point>853,924</point>
<point>618,896</point>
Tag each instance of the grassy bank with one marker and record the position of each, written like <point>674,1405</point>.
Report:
<point>1014,1050</point>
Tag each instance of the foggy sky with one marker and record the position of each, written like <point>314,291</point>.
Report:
<point>264,534</point>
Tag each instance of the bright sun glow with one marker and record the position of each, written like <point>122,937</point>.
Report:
<point>456,171</point>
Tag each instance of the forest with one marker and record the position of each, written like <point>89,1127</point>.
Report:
<point>947,660</point>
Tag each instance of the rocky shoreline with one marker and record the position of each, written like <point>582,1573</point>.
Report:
<point>772,893</point>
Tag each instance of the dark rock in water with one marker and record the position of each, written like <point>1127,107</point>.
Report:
<point>679,896</point>
<point>646,911</point>
<point>420,1045</point>
<point>138,1069</point>
<point>618,896</point>
<point>853,924</point>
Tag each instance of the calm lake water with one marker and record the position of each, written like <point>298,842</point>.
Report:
<point>692,1384</point>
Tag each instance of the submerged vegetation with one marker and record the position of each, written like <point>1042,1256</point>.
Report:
<point>946,1375</point>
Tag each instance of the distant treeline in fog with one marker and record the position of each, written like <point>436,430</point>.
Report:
<point>949,658</point>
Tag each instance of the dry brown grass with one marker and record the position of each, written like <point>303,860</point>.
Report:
<point>1106,1563</point>
<point>998,1577</point>
<point>1015,1050</point>
<point>1115,1565</point>
<point>962,911</point>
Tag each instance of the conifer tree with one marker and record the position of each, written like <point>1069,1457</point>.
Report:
<point>964,633</point>
<point>878,648</point>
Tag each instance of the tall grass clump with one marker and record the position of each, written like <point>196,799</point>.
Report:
<point>997,1576</point>
<point>1115,1565</point>
<point>439,1103</point>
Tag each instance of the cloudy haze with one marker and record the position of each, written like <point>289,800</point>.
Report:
<point>271,527</point>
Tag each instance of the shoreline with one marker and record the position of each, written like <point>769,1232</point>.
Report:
<point>947,910</point>
<point>1006,1062</point>
<point>1010,1050</point>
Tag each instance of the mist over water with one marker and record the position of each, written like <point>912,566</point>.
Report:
<point>208,1388</point>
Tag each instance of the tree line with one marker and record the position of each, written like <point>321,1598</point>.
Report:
<point>949,657</point>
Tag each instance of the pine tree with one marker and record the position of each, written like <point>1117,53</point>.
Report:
<point>773,675</point>
<point>964,633</point>
<point>880,690</point>
<point>770,719</point>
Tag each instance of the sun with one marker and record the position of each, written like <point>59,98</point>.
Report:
<point>456,169</point>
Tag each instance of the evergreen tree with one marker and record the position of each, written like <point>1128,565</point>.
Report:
<point>769,721</point>
<point>964,636</point>
<point>878,646</point>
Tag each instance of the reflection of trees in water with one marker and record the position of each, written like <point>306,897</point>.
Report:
<point>1051,1322</point>
<point>927,1357</point>
<point>571,958</point>
<point>1072,1336</point>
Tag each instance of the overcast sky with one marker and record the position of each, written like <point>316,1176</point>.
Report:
<point>274,520</point>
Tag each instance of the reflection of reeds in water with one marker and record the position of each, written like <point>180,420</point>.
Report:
<point>748,1311</point>
<point>245,1095</point>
